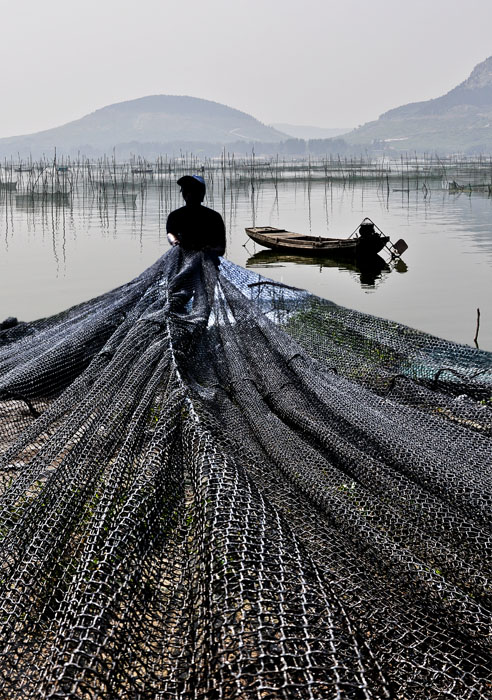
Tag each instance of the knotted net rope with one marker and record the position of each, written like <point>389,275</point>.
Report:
<point>216,486</point>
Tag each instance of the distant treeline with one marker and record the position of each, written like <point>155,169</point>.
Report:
<point>151,150</point>
<point>291,148</point>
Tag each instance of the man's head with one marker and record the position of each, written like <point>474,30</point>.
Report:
<point>192,188</point>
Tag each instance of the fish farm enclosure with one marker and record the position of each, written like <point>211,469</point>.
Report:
<point>76,230</point>
<point>52,179</point>
<point>215,485</point>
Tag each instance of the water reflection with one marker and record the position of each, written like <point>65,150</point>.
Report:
<point>369,273</point>
<point>31,201</point>
<point>109,229</point>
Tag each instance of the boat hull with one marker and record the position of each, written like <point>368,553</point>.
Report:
<point>297,244</point>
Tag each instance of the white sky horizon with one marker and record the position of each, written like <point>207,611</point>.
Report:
<point>317,63</point>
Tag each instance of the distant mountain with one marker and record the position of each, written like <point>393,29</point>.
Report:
<point>459,121</point>
<point>309,132</point>
<point>160,120</point>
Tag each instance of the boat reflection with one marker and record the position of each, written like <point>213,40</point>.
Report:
<point>42,200</point>
<point>369,272</point>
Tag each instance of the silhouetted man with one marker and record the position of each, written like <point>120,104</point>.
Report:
<point>195,227</point>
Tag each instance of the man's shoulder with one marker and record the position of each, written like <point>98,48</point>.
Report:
<point>211,213</point>
<point>177,212</point>
<point>201,210</point>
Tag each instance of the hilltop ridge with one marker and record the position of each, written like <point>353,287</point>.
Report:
<point>155,119</point>
<point>457,121</point>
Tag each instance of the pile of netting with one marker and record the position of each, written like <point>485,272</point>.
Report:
<point>217,486</point>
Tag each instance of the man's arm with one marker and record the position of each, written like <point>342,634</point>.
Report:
<point>171,234</point>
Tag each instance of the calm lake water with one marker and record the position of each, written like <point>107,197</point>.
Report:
<point>53,256</point>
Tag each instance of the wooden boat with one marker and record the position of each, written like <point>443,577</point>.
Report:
<point>454,187</point>
<point>366,241</point>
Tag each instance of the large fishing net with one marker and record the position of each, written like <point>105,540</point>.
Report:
<point>217,486</point>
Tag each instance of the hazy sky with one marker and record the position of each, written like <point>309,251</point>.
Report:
<point>331,63</point>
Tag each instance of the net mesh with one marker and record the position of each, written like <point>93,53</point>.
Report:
<point>216,486</point>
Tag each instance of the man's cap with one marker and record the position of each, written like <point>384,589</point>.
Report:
<point>192,181</point>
